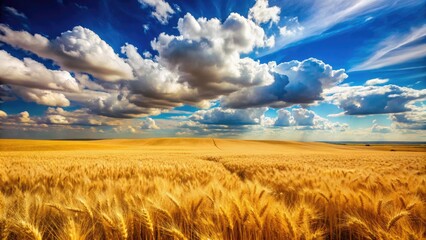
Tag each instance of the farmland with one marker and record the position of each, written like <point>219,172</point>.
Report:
<point>210,189</point>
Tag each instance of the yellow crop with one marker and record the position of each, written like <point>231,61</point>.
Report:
<point>200,189</point>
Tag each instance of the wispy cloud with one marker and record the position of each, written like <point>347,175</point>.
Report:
<point>81,6</point>
<point>145,28</point>
<point>323,15</point>
<point>397,48</point>
<point>376,81</point>
<point>15,12</point>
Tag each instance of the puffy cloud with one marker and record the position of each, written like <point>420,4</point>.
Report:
<point>236,34</point>
<point>15,12</point>
<point>308,79</point>
<point>112,103</point>
<point>206,55</point>
<point>43,97</point>
<point>124,129</point>
<point>147,54</point>
<point>6,93</point>
<point>380,129</point>
<point>79,50</point>
<point>137,127</point>
<point>415,119</point>
<point>57,119</point>
<point>148,123</point>
<point>163,10</point>
<point>295,83</point>
<point>303,117</point>
<point>31,81</point>
<point>291,28</point>
<point>284,118</point>
<point>364,100</point>
<point>270,42</point>
<point>117,105</point>
<point>220,120</point>
<point>23,117</point>
<point>376,128</point>
<point>80,119</point>
<point>21,122</point>
<point>267,121</point>
<point>155,85</point>
<point>262,13</point>
<point>258,96</point>
<point>29,73</point>
<point>308,120</point>
<point>86,83</point>
<point>221,116</point>
<point>86,95</point>
<point>376,81</point>
<point>169,80</point>
<point>84,117</point>
<point>3,114</point>
<point>194,128</point>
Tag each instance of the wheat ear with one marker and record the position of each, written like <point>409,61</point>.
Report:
<point>396,218</point>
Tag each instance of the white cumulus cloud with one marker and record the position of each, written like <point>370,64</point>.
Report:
<point>295,83</point>
<point>43,97</point>
<point>162,9</point>
<point>262,13</point>
<point>365,100</point>
<point>79,50</point>
<point>32,74</point>
<point>206,54</point>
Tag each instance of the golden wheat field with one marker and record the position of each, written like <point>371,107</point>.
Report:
<point>210,189</point>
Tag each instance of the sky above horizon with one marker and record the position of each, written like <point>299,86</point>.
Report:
<point>306,70</point>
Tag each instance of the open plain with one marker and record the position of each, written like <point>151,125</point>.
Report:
<point>210,189</point>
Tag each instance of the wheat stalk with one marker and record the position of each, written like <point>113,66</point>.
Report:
<point>360,225</point>
<point>263,210</point>
<point>195,208</point>
<point>396,218</point>
<point>237,209</point>
<point>29,230</point>
<point>108,220</point>
<point>410,206</point>
<point>71,229</point>
<point>146,218</point>
<point>122,226</point>
<point>163,212</point>
<point>4,229</point>
<point>174,201</point>
<point>158,197</point>
<point>228,218</point>
<point>404,205</point>
<point>176,233</point>
<point>289,225</point>
<point>379,208</point>
<point>86,207</point>
<point>361,201</point>
<point>73,209</point>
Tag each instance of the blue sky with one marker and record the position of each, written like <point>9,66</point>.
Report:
<point>329,70</point>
